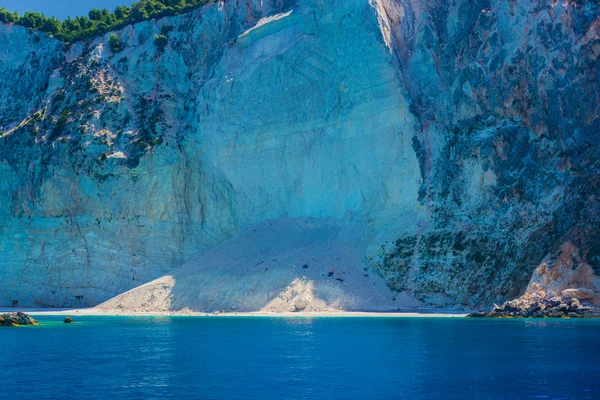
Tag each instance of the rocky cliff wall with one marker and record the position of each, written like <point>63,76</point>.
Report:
<point>506,96</point>
<point>463,135</point>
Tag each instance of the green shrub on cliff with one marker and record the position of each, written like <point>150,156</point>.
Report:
<point>160,41</point>
<point>114,43</point>
<point>6,16</point>
<point>52,26</point>
<point>98,22</point>
<point>32,20</point>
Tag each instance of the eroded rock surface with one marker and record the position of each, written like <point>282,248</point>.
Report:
<point>16,319</point>
<point>506,95</point>
<point>562,286</point>
<point>463,137</point>
<point>531,306</point>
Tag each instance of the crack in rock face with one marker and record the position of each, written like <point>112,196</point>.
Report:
<point>454,145</point>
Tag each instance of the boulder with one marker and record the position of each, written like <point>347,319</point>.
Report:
<point>529,306</point>
<point>69,320</point>
<point>563,307</point>
<point>300,304</point>
<point>553,301</point>
<point>579,293</point>
<point>574,305</point>
<point>478,314</point>
<point>554,314</point>
<point>9,322</point>
<point>538,314</point>
<point>16,319</point>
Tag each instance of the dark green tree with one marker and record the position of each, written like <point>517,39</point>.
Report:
<point>32,20</point>
<point>115,43</point>
<point>84,22</point>
<point>7,16</point>
<point>52,26</point>
<point>138,12</point>
<point>121,13</point>
<point>70,25</point>
<point>99,15</point>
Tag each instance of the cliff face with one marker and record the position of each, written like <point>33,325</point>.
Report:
<point>462,136</point>
<point>506,96</point>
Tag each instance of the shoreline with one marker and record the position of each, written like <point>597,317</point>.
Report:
<point>92,312</point>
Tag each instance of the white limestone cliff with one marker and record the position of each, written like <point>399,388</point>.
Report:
<point>431,128</point>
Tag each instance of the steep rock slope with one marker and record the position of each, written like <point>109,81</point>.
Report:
<point>141,159</point>
<point>461,136</point>
<point>506,96</point>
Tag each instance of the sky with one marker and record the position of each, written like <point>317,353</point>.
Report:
<point>61,8</point>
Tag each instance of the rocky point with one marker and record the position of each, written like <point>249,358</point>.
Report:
<point>17,319</point>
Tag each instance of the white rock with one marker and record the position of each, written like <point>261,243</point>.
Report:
<point>579,293</point>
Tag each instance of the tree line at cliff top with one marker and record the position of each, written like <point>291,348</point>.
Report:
<point>97,21</point>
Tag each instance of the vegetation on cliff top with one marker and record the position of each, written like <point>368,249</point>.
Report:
<point>98,22</point>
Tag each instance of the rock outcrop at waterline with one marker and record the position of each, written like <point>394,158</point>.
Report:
<point>16,319</point>
<point>562,286</point>
<point>540,307</point>
<point>462,136</point>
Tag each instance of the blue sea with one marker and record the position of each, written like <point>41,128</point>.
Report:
<point>300,358</point>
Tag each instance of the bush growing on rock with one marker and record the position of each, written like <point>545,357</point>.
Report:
<point>115,44</point>
<point>160,41</point>
<point>6,16</point>
<point>52,26</point>
<point>32,20</point>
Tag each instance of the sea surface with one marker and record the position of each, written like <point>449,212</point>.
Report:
<point>300,358</point>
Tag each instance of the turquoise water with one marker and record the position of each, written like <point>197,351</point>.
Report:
<point>301,358</point>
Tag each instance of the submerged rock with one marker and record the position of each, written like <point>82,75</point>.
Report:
<point>69,320</point>
<point>16,319</point>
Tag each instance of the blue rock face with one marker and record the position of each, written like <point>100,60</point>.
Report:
<point>506,98</point>
<point>462,136</point>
